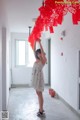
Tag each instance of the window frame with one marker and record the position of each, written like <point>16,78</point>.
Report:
<point>27,53</point>
<point>16,65</point>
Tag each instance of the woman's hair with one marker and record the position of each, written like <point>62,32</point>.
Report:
<point>37,52</point>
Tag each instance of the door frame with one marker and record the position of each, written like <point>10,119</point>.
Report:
<point>49,61</point>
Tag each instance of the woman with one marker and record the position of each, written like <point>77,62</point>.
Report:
<point>37,75</point>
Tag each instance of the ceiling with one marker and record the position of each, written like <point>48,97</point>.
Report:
<point>20,14</point>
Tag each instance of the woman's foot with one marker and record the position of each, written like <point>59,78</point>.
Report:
<point>41,114</point>
<point>42,111</point>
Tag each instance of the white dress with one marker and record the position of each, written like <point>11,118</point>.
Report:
<point>37,76</point>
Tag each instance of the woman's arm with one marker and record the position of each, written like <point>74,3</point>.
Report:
<point>34,48</point>
<point>42,51</point>
<point>43,57</point>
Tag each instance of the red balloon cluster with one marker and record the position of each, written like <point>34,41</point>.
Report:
<point>51,14</point>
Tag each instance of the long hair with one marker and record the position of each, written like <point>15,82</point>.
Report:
<point>37,52</point>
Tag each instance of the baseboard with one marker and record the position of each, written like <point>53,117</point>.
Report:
<point>69,106</point>
<point>22,85</point>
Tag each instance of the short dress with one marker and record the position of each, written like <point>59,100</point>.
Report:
<point>37,76</point>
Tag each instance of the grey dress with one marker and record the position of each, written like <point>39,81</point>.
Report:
<point>37,76</point>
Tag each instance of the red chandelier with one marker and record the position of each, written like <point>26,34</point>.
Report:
<point>51,14</point>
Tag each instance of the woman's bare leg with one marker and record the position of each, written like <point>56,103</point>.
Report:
<point>40,99</point>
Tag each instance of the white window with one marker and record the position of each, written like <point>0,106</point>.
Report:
<point>31,58</point>
<point>24,54</point>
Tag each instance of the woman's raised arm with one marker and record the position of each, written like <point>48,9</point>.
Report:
<point>34,48</point>
<point>43,58</point>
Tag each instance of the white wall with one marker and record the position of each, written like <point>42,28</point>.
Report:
<point>64,69</point>
<point>5,67</point>
<point>10,54</point>
<point>8,73</point>
<point>4,56</point>
<point>4,95</point>
<point>1,20</point>
<point>22,75</point>
<point>0,67</point>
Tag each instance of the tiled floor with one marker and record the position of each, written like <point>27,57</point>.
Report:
<point>23,105</point>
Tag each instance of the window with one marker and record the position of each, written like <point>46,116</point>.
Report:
<point>31,55</point>
<point>24,54</point>
<point>20,52</point>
